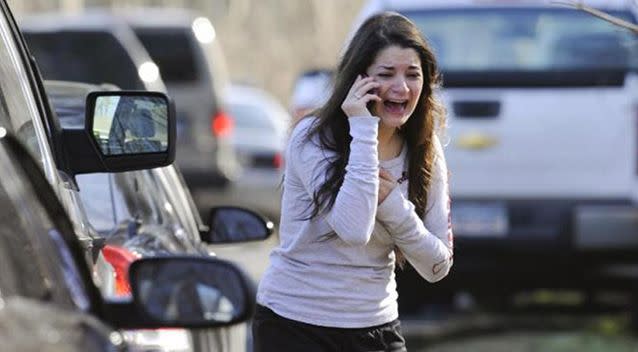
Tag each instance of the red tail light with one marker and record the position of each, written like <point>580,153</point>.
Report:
<point>221,124</point>
<point>120,258</point>
<point>277,161</point>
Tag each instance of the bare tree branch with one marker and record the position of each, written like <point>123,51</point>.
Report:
<point>578,5</point>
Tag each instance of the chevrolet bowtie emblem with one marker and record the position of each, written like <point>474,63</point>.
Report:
<point>476,141</point>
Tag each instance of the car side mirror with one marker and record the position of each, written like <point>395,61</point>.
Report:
<point>128,124</point>
<point>229,224</point>
<point>191,291</point>
<point>183,292</point>
<point>123,131</point>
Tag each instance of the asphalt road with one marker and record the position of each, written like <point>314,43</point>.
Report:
<point>574,341</point>
<point>531,332</point>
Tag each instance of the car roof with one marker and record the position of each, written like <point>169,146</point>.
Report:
<point>404,5</point>
<point>158,17</point>
<point>92,19</point>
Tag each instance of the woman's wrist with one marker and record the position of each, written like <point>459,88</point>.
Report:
<point>364,127</point>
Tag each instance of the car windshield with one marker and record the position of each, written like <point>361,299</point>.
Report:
<point>172,50</point>
<point>94,57</point>
<point>526,39</point>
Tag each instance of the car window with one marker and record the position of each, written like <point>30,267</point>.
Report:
<point>69,108</point>
<point>173,187</point>
<point>35,260</point>
<point>14,249</point>
<point>172,51</point>
<point>18,111</point>
<point>493,39</point>
<point>114,200</point>
<point>141,199</point>
<point>91,56</point>
<point>99,198</point>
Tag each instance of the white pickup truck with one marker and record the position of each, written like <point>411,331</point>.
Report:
<point>542,144</point>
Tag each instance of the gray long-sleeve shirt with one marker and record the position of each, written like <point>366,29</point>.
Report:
<point>337,269</point>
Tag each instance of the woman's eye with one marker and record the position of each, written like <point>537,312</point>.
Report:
<point>384,75</point>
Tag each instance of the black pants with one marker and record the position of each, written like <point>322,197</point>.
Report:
<point>272,332</point>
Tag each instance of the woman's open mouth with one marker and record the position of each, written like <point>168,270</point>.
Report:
<point>395,106</point>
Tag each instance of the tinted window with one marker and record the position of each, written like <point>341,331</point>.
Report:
<point>172,51</point>
<point>93,57</point>
<point>69,109</point>
<point>21,273</point>
<point>35,261</point>
<point>526,39</point>
<point>18,111</point>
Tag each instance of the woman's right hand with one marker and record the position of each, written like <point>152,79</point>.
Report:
<point>359,96</point>
<point>386,184</point>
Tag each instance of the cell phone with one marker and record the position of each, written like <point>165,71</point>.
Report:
<point>370,104</point>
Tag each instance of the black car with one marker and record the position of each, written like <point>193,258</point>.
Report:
<point>43,273</point>
<point>63,154</point>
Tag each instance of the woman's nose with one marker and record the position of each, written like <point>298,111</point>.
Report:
<point>400,85</point>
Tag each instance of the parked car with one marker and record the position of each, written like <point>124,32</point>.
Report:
<point>44,272</point>
<point>259,137</point>
<point>310,91</point>
<point>145,213</point>
<point>191,60</point>
<point>542,144</point>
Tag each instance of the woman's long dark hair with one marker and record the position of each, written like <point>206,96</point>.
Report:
<point>377,33</point>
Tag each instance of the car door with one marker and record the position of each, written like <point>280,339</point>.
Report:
<point>46,299</point>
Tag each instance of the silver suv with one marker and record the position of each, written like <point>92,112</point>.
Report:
<point>192,64</point>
